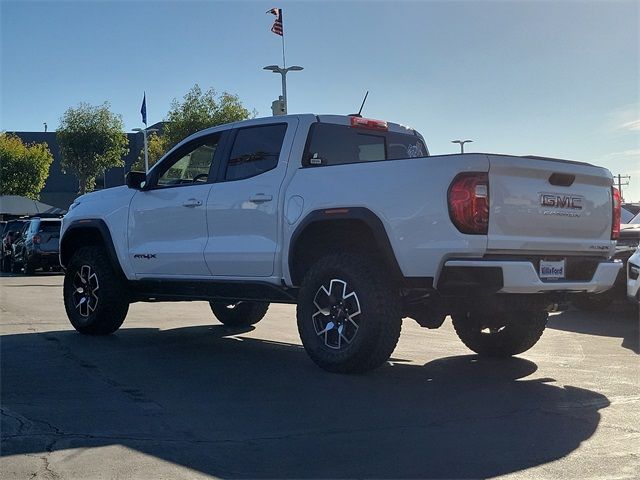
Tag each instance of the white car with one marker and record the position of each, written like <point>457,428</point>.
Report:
<point>633,277</point>
<point>352,220</point>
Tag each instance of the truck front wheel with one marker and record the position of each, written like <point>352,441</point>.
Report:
<point>239,314</point>
<point>349,315</point>
<point>500,334</point>
<point>95,297</point>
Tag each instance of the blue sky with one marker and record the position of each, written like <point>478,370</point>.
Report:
<point>547,78</point>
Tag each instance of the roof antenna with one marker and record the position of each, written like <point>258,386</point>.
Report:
<point>361,107</point>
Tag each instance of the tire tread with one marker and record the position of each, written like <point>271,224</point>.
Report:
<point>384,319</point>
<point>114,300</point>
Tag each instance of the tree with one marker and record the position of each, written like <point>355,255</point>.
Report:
<point>91,140</point>
<point>199,110</point>
<point>23,168</point>
<point>157,146</point>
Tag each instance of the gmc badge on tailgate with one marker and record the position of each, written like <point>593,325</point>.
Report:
<point>559,203</point>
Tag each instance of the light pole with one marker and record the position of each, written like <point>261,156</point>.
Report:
<point>283,72</point>
<point>461,142</point>
<point>146,148</point>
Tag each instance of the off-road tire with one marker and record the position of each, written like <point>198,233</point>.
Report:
<point>112,304</point>
<point>520,332</point>
<point>379,321</point>
<point>239,314</point>
<point>592,302</point>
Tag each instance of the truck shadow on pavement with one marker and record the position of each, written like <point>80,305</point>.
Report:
<point>620,322</point>
<point>209,399</point>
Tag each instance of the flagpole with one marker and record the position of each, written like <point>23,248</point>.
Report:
<point>144,136</point>
<point>146,149</point>
<point>284,64</point>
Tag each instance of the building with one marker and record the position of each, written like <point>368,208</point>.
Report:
<point>61,189</point>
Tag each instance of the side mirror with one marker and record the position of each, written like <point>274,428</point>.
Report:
<point>136,180</point>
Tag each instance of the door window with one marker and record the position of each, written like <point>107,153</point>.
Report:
<point>190,167</point>
<point>255,150</point>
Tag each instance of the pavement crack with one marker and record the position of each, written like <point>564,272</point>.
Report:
<point>23,423</point>
<point>45,460</point>
<point>45,470</point>
<point>289,436</point>
<point>95,371</point>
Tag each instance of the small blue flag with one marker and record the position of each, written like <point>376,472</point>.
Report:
<point>143,109</point>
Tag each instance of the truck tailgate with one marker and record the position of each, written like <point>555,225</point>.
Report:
<point>549,206</point>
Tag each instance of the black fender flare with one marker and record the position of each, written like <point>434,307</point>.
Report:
<point>362,214</point>
<point>103,231</point>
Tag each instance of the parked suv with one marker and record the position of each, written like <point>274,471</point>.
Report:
<point>37,247</point>
<point>353,221</point>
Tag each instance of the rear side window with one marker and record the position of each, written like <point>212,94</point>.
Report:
<point>331,144</point>
<point>50,227</point>
<point>255,150</point>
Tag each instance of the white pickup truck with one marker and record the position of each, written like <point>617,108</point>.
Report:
<point>352,220</point>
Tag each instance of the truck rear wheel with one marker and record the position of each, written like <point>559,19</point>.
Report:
<point>500,334</point>
<point>349,315</point>
<point>95,297</point>
<point>239,314</point>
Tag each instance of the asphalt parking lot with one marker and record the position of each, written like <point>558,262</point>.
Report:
<point>176,395</point>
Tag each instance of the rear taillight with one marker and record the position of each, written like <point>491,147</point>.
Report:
<point>36,239</point>
<point>468,199</point>
<point>617,206</point>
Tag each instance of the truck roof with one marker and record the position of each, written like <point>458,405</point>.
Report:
<point>310,117</point>
<point>303,117</point>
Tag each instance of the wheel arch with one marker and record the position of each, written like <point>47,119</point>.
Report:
<point>88,232</point>
<point>321,231</point>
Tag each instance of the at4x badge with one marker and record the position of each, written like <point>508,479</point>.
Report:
<point>146,256</point>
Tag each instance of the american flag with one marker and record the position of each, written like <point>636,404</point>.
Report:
<point>277,25</point>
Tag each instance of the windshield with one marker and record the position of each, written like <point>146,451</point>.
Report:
<point>50,227</point>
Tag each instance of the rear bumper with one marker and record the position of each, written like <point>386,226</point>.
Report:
<point>41,258</point>
<point>522,277</point>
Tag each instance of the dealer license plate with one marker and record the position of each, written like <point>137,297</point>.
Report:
<point>552,270</point>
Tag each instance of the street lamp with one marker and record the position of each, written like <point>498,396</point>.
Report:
<point>146,148</point>
<point>283,72</point>
<point>461,142</point>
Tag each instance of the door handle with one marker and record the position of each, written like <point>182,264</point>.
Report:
<point>260,198</point>
<point>192,202</point>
